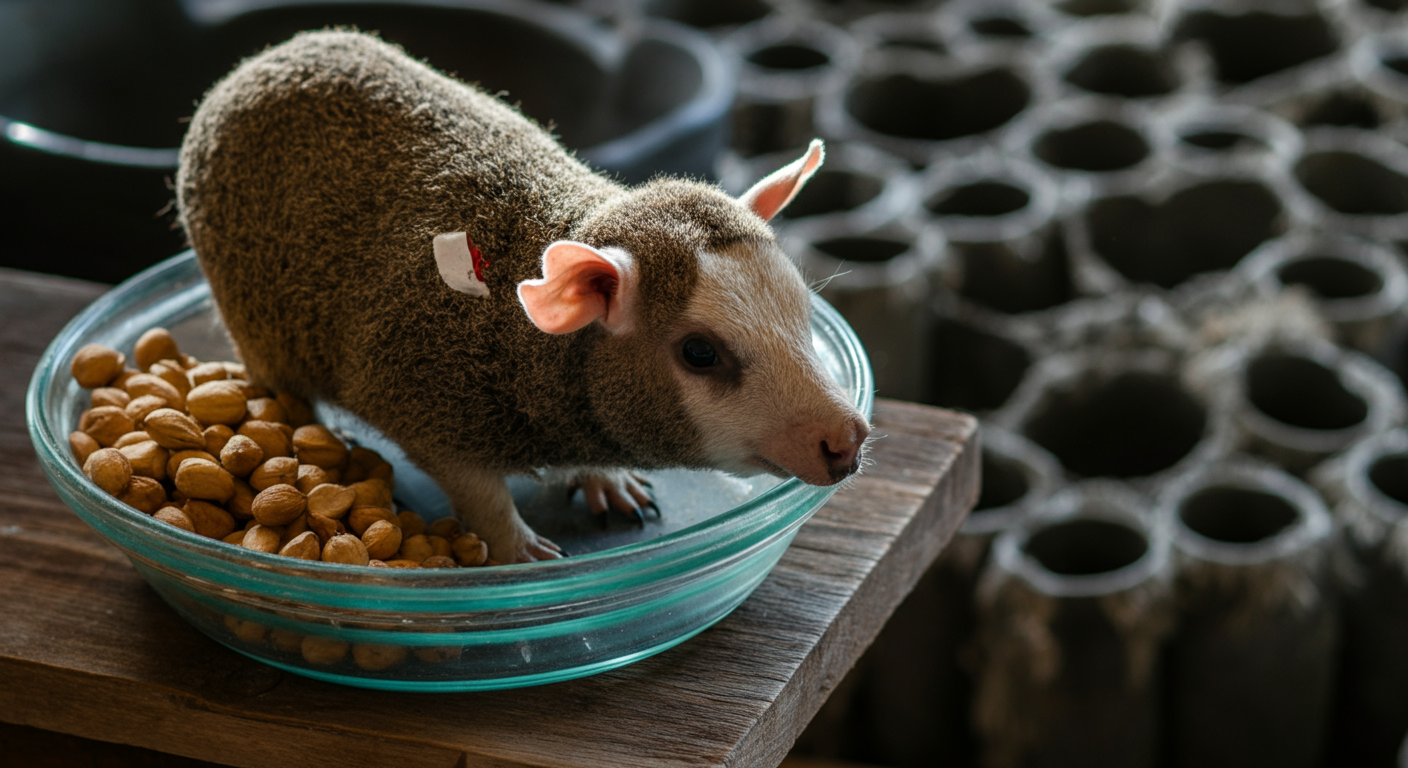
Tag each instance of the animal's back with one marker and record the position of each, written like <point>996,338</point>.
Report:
<point>313,180</point>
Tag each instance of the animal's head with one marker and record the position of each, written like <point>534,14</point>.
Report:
<point>703,352</point>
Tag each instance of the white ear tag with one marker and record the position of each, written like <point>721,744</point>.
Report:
<point>460,264</point>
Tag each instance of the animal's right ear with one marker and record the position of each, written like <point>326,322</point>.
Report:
<point>774,192</point>
<point>581,284</point>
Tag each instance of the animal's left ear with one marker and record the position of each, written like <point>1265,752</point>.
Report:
<point>774,192</point>
<point>581,284</point>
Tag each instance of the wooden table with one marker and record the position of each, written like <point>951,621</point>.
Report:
<point>86,648</point>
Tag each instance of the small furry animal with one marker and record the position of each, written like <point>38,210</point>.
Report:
<point>389,239</point>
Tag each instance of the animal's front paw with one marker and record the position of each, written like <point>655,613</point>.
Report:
<point>626,492</point>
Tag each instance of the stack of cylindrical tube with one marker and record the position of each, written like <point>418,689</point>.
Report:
<point>1158,248</point>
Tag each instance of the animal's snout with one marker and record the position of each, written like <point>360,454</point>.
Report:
<point>840,451</point>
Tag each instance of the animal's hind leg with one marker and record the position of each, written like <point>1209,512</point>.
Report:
<point>482,502</point>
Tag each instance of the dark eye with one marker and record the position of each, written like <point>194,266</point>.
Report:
<point>699,353</point>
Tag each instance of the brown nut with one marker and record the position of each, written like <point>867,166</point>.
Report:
<point>240,456</point>
<point>271,439</point>
<point>132,438</point>
<point>304,546</point>
<point>345,549</point>
<point>280,470</point>
<point>360,464</point>
<point>140,408</point>
<point>172,373</point>
<point>209,520</point>
<point>109,469</point>
<point>469,551</point>
<point>415,548</point>
<point>285,640</point>
<point>438,561</point>
<point>331,500</point>
<point>440,546</point>
<point>110,396</point>
<point>217,402</point>
<point>121,381</point>
<point>265,409</point>
<point>278,505</point>
<point>399,563</point>
<point>146,384</point>
<point>95,365</point>
<point>262,538</point>
<point>324,527</point>
<point>236,538</point>
<point>294,529</point>
<point>382,540</point>
<point>241,503</point>
<point>322,650</point>
<point>310,477</point>
<point>361,518</point>
<point>143,493</point>
<point>448,528</point>
<point>216,436</point>
<point>83,445</point>
<point>106,424</point>
<point>179,457</point>
<point>174,430</point>
<point>236,371</point>
<point>374,657</point>
<point>174,516</point>
<point>439,654</point>
<point>153,346</point>
<point>207,372</point>
<point>205,480</point>
<point>248,631</point>
<point>299,413</point>
<point>412,524</point>
<point>317,445</point>
<point>148,459</point>
<point>371,493</point>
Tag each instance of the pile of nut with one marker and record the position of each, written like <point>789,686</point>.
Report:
<point>197,446</point>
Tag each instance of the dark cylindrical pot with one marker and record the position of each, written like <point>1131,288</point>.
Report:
<point>783,64</point>
<point>1207,138</point>
<point>975,360</point>
<point>1360,287</point>
<point>655,100</point>
<point>1367,488</point>
<point>1355,182</point>
<point>1252,666</point>
<point>878,277</point>
<point>1073,611</point>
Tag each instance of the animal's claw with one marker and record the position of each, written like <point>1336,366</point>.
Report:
<point>655,507</point>
<point>624,491</point>
<point>640,516</point>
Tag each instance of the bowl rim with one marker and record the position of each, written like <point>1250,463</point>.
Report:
<point>748,525</point>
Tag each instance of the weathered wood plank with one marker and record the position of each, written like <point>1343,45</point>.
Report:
<point>86,648</point>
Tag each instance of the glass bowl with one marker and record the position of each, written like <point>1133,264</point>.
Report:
<point>433,629</point>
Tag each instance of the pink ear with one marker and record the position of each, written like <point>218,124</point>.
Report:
<point>773,193</point>
<point>580,284</point>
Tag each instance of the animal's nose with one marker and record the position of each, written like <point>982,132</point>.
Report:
<point>841,450</point>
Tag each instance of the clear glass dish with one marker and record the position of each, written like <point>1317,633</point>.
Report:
<point>443,629</point>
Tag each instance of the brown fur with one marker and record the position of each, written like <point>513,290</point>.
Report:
<point>312,182</point>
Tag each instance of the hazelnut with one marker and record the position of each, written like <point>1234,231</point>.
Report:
<point>415,548</point>
<point>95,365</point>
<point>361,518</point>
<point>146,384</point>
<point>109,469</point>
<point>179,457</point>
<point>317,445</point>
<point>280,470</point>
<point>264,408</point>
<point>374,657</point>
<point>470,551</point>
<point>382,539</point>
<point>172,373</point>
<point>208,372</point>
<point>175,430</point>
<point>285,640</point>
<point>140,408</point>
<point>438,561</point>
<point>304,546</point>
<point>204,479</point>
<point>106,424</point>
<point>209,519</point>
<point>321,650</point>
<point>447,528</point>
<point>271,439</point>
<point>174,516</point>
<point>110,396</point>
<point>148,459</point>
<point>399,563</point>
<point>324,527</point>
<point>261,538</point>
<point>371,493</point>
<point>144,494</point>
<point>132,438</point>
<point>345,549</point>
<point>83,445</point>
<point>217,402</point>
<point>330,500</point>
<point>439,546</point>
<point>412,524</point>
<point>153,346</point>
<point>278,505</point>
<point>310,477</point>
<point>240,456</point>
<point>216,436</point>
<point>241,503</point>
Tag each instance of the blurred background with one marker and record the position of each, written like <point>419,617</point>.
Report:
<point>1157,246</point>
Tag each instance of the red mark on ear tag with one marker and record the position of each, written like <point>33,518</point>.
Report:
<point>480,263</point>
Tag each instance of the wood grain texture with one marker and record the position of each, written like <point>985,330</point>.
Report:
<point>86,648</point>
